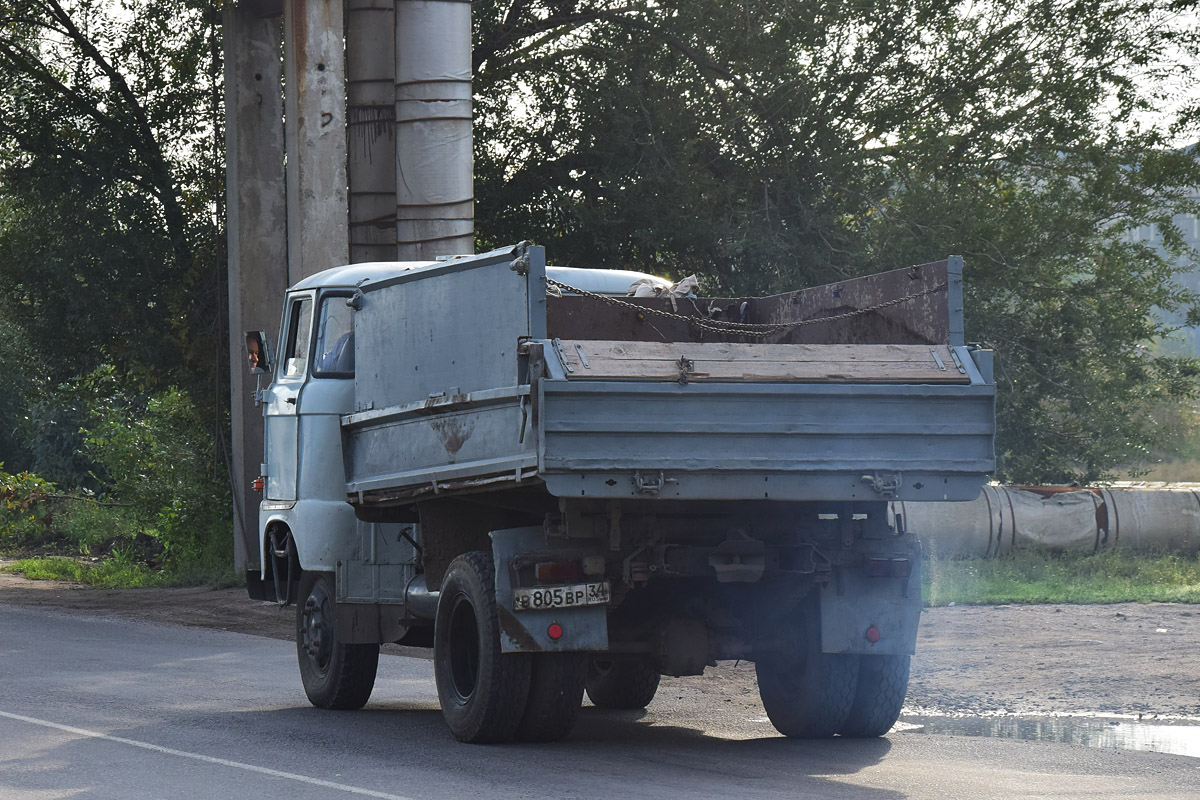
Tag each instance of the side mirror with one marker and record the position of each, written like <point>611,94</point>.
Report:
<point>257,354</point>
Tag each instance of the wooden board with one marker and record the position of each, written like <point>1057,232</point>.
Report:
<point>767,363</point>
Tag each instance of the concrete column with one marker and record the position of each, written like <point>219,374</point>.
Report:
<point>434,162</point>
<point>315,106</point>
<point>371,128</point>
<point>256,224</point>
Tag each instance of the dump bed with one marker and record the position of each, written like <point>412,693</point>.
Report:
<point>470,378</point>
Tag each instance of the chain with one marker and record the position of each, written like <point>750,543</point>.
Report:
<point>741,328</point>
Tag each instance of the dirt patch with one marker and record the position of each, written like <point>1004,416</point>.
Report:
<point>224,609</point>
<point>1027,660</point>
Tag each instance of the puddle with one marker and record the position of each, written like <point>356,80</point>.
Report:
<point>1159,736</point>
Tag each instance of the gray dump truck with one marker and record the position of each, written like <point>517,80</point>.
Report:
<point>564,489</point>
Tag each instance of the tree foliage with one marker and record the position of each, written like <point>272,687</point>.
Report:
<point>107,182</point>
<point>156,455</point>
<point>767,145</point>
<point>111,281</point>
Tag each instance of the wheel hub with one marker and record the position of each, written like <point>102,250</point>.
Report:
<point>317,629</point>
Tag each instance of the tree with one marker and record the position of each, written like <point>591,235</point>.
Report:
<point>109,187</point>
<point>106,182</point>
<point>767,145</point>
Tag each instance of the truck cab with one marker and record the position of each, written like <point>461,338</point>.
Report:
<point>305,522</point>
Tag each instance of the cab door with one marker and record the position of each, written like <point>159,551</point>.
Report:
<point>283,399</point>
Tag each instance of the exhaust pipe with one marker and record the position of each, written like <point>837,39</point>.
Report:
<point>419,602</point>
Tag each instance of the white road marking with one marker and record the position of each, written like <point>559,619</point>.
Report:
<point>154,748</point>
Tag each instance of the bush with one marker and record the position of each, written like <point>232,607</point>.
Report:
<point>25,507</point>
<point>159,461</point>
<point>88,527</point>
<point>17,385</point>
<point>151,500</point>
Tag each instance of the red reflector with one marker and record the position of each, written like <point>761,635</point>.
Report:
<point>258,485</point>
<point>873,634</point>
<point>558,572</point>
<point>555,631</point>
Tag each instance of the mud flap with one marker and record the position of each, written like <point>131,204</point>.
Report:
<point>583,628</point>
<point>853,603</point>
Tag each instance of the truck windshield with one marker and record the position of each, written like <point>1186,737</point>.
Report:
<point>335,339</point>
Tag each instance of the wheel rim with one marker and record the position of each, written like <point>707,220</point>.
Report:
<point>464,648</point>
<point>316,628</point>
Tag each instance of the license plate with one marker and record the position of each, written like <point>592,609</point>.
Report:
<point>551,597</point>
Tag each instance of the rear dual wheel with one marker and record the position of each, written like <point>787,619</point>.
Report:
<point>813,695</point>
<point>488,695</point>
<point>555,695</point>
<point>879,696</point>
<point>629,683</point>
<point>807,694</point>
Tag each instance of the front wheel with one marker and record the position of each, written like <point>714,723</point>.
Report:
<point>483,691</point>
<point>334,674</point>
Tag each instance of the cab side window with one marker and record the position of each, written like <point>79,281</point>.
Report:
<point>295,356</point>
<point>335,339</point>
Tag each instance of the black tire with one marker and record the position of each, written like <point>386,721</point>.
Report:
<point>555,695</point>
<point>807,694</point>
<point>625,683</point>
<point>882,685</point>
<point>483,692</point>
<point>334,674</point>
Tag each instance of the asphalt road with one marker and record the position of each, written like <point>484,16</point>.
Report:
<point>97,707</point>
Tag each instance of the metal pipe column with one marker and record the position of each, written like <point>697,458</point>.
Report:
<point>371,128</point>
<point>434,182</point>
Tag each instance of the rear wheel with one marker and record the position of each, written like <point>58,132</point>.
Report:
<point>483,691</point>
<point>335,674</point>
<point>879,696</point>
<point>628,683</point>
<point>555,694</point>
<point>807,694</point>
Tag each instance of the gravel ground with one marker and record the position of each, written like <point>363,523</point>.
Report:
<point>1126,659</point>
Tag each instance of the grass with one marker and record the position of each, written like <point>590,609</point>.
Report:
<point>1042,577</point>
<point>121,572</point>
<point>114,572</point>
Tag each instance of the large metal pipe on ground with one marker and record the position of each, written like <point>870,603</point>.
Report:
<point>1154,518</point>
<point>1138,517</point>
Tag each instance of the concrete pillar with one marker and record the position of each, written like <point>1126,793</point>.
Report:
<point>256,226</point>
<point>434,186</point>
<point>371,128</point>
<point>315,114</point>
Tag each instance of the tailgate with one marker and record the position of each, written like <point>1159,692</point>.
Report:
<point>756,421</point>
